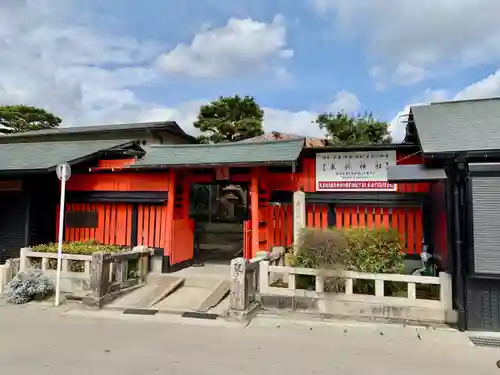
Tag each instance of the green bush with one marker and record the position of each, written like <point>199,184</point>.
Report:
<point>320,249</point>
<point>325,249</point>
<point>361,250</point>
<point>374,251</point>
<point>77,247</point>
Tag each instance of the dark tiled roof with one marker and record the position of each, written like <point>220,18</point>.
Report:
<point>472,125</point>
<point>163,125</point>
<point>243,153</point>
<point>45,155</point>
<point>414,172</point>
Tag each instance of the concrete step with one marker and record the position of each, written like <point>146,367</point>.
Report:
<point>150,294</point>
<point>196,294</point>
<point>201,282</point>
<point>220,227</point>
<point>222,308</point>
<point>222,239</point>
<point>194,289</point>
<point>219,247</point>
<point>213,271</point>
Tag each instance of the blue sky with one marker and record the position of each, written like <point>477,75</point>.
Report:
<point>95,62</point>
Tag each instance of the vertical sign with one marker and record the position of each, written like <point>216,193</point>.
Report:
<point>299,215</point>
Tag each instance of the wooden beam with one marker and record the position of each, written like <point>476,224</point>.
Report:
<point>254,209</point>
<point>170,214</point>
<point>186,193</point>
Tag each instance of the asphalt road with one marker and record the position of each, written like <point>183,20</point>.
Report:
<point>38,341</point>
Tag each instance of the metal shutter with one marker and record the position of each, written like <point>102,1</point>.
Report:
<point>486,216</point>
<point>12,225</point>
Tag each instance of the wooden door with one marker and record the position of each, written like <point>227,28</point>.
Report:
<point>182,241</point>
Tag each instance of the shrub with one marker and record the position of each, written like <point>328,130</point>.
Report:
<point>325,249</point>
<point>79,247</point>
<point>361,250</point>
<point>320,249</point>
<point>28,286</point>
<point>374,251</point>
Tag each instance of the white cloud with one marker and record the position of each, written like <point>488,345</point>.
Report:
<point>285,121</point>
<point>344,102</point>
<point>87,76</point>
<point>488,87</point>
<point>414,39</point>
<point>184,114</point>
<point>50,61</point>
<point>242,47</point>
<point>281,120</point>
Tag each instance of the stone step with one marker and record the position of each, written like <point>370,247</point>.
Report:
<point>219,237</point>
<point>219,247</point>
<point>219,227</point>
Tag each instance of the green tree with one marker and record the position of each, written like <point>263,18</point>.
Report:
<point>342,129</point>
<point>22,118</point>
<point>230,119</point>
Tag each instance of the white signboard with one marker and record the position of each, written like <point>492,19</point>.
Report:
<point>354,171</point>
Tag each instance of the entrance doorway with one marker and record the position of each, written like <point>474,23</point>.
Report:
<point>219,211</point>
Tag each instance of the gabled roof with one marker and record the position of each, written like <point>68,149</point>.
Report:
<point>170,126</point>
<point>237,153</point>
<point>40,156</point>
<point>459,126</point>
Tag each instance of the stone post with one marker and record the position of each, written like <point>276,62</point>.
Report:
<point>299,215</point>
<point>446,295</point>
<point>6,274</point>
<point>238,293</point>
<point>99,277</point>
<point>24,263</point>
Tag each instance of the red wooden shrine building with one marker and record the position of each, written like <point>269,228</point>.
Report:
<point>150,195</point>
<point>150,184</point>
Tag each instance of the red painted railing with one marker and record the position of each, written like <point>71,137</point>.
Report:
<point>279,225</point>
<point>151,222</point>
<point>406,220</point>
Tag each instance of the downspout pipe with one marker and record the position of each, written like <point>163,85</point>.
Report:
<point>458,211</point>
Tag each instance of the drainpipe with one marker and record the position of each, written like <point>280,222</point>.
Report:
<point>458,190</point>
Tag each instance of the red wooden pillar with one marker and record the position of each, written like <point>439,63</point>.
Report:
<point>186,190</point>
<point>170,213</point>
<point>254,209</point>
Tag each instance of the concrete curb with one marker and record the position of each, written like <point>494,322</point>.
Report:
<point>161,317</point>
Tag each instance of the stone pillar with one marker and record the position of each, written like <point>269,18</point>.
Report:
<point>299,214</point>
<point>237,296</point>
<point>24,262</point>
